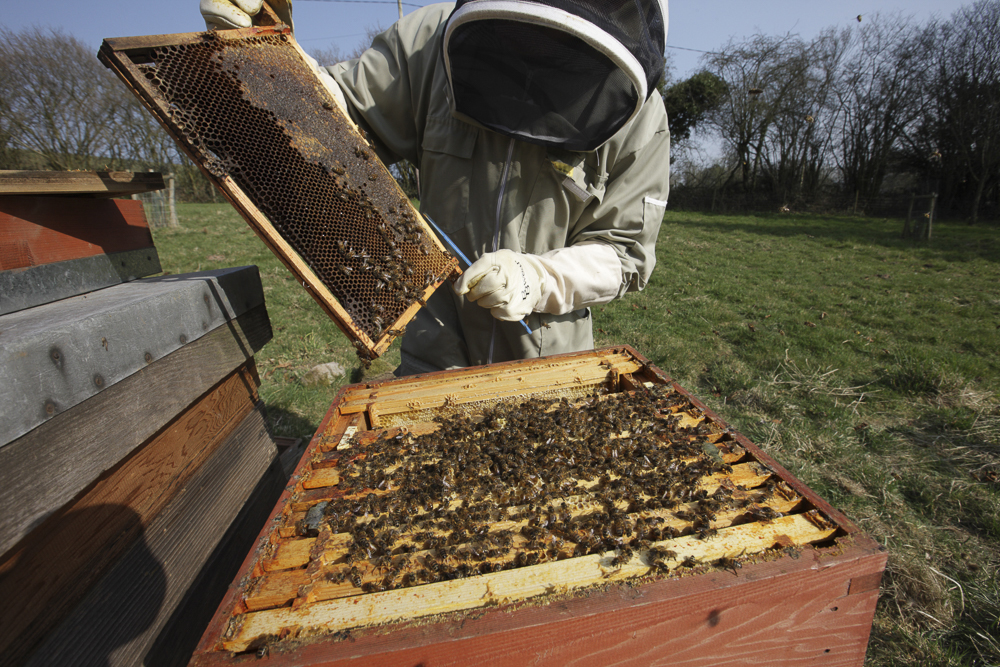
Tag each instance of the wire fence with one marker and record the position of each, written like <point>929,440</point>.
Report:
<point>160,205</point>
<point>896,205</point>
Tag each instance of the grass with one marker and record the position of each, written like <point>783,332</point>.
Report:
<point>867,365</point>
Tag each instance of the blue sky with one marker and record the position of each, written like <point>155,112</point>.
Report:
<point>703,25</point>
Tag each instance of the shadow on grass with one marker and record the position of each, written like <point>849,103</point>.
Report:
<point>282,422</point>
<point>953,242</point>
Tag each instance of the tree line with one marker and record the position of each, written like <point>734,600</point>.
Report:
<point>885,107</point>
<point>852,116</point>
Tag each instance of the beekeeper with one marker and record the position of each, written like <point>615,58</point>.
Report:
<point>543,152</point>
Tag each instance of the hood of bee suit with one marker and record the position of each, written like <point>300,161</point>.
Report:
<point>560,73</point>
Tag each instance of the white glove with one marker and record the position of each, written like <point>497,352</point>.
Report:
<point>508,283</point>
<point>226,14</point>
<point>512,284</point>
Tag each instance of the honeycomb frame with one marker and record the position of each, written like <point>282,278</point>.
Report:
<point>248,109</point>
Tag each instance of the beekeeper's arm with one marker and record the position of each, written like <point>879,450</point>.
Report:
<point>612,246</point>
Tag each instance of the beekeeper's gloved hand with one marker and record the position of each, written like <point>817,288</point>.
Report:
<point>227,14</point>
<point>513,284</point>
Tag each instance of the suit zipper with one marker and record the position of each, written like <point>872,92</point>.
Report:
<point>496,232</point>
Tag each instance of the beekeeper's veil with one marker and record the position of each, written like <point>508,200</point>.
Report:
<point>562,73</point>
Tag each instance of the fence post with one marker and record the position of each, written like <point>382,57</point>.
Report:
<point>930,216</point>
<point>907,230</point>
<point>170,201</point>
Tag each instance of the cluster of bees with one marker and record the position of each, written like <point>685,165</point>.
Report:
<point>520,485</point>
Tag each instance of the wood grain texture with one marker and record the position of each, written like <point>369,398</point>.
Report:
<point>94,183</point>
<point>122,616</point>
<point>76,447</point>
<point>51,569</point>
<point>43,230</point>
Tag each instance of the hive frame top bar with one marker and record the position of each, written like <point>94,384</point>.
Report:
<point>257,613</point>
<point>249,110</point>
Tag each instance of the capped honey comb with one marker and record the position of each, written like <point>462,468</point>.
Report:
<point>528,497</point>
<point>251,112</point>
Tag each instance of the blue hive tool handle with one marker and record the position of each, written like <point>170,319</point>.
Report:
<point>458,253</point>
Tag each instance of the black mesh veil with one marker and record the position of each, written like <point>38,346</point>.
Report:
<point>561,73</point>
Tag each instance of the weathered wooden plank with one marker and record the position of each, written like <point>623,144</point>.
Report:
<point>57,355</point>
<point>48,572</point>
<point>43,230</point>
<point>75,447</point>
<point>124,613</point>
<point>95,183</point>
<point>36,285</point>
<point>176,642</point>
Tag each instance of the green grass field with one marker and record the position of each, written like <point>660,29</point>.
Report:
<point>867,365</point>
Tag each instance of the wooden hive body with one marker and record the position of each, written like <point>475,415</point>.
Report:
<point>744,563</point>
<point>135,465</point>
<point>248,109</point>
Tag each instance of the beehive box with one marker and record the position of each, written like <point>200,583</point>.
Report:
<point>135,465</point>
<point>248,109</point>
<point>575,508</point>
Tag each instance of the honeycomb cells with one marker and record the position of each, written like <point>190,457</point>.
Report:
<point>250,109</point>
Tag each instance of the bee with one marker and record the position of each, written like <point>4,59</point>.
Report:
<point>361,152</point>
<point>346,270</point>
<point>727,563</point>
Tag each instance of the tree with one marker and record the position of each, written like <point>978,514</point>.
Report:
<point>58,99</point>
<point>879,96</point>
<point>775,92</point>
<point>968,85</point>
<point>688,101</point>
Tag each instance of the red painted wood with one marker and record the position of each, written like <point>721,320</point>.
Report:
<point>43,230</point>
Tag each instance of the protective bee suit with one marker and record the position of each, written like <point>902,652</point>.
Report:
<point>558,211</point>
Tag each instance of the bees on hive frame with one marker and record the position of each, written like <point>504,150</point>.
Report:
<point>570,478</point>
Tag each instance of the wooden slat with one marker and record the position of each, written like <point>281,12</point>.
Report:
<point>511,586</point>
<point>50,570</point>
<point>787,612</point>
<point>279,588</point>
<point>58,355</point>
<point>121,618</point>
<point>75,447</point>
<point>38,285</point>
<point>485,387</point>
<point>95,183</point>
